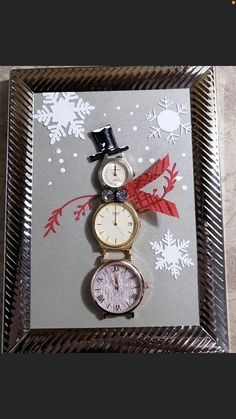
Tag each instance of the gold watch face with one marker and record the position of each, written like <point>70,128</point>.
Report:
<point>115,224</point>
<point>115,174</point>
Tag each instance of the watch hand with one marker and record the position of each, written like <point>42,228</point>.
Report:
<point>114,169</point>
<point>116,283</point>
<point>115,223</point>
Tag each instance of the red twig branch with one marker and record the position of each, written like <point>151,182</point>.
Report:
<point>53,220</point>
<point>171,180</point>
<point>82,209</point>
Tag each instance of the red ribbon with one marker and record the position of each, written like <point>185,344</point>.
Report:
<point>144,201</point>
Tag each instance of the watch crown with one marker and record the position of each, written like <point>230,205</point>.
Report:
<point>146,285</point>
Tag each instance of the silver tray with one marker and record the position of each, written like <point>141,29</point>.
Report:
<point>212,334</point>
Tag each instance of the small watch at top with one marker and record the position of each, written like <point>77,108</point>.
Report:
<point>115,170</point>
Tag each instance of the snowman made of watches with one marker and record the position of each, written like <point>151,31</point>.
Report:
<point>117,286</point>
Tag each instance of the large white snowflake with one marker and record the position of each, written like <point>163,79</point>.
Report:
<point>63,114</point>
<point>168,120</point>
<point>172,253</point>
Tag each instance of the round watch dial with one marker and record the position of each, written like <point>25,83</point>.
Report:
<point>115,224</point>
<point>115,174</point>
<point>117,287</point>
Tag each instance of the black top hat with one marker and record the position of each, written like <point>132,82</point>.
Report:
<point>105,143</point>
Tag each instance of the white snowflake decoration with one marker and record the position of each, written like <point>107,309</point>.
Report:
<point>169,121</point>
<point>63,113</point>
<point>172,253</point>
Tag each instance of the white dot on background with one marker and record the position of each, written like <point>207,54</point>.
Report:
<point>118,129</point>
<point>137,106</point>
<point>63,170</point>
<point>184,154</point>
<point>134,128</point>
<point>184,187</point>
<point>104,114</point>
<point>49,160</point>
<point>49,183</point>
<point>75,155</point>
<point>147,147</point>
<point>58,150</point>
<point>131,113</point>
<point>118,108</point>
<point>61,161</point>
<point>152,160</point>
<point>140,160</point>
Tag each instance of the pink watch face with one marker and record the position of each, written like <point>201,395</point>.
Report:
<point>117,287</point>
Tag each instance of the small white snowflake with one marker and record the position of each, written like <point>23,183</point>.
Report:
<point>172,253</point>
<point>63,114</point>
<point>168,121</point>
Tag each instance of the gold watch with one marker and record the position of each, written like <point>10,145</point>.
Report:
<point>116,225</point>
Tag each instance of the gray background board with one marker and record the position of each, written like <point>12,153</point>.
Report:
<point>62,263</point>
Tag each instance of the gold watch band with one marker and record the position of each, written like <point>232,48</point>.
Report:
<point>106,255</point>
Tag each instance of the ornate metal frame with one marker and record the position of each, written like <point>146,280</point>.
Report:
<point>211,335</point>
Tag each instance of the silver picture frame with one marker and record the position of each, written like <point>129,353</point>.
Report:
<point>212,334</point>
